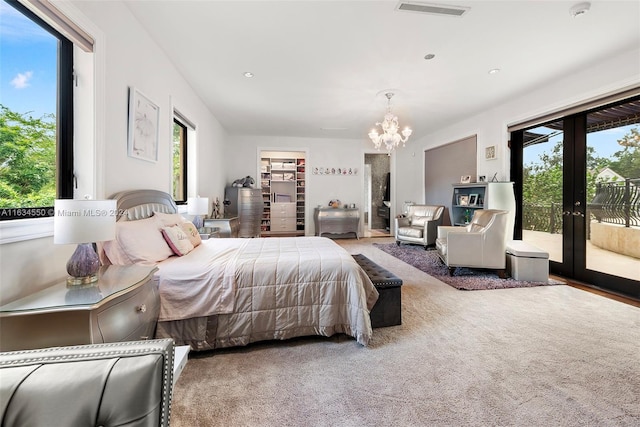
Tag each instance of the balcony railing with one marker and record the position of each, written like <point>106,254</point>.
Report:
<point>617,202</point>
<point>614,203</point>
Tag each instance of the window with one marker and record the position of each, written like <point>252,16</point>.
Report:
<point>179,151</point>
<point>36,115</point>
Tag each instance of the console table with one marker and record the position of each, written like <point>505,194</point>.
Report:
<point>336,221</point>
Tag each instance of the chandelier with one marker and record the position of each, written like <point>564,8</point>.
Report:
<point>390,138</point>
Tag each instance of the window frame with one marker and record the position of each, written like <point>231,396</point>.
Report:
<point>184,144</point>
<point>64,120</point>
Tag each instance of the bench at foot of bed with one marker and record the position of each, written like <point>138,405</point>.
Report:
<point>388,309</point>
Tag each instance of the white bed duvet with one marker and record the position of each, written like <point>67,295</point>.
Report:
<point>230,292</point>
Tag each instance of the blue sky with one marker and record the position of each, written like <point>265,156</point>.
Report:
<point>28,55</point>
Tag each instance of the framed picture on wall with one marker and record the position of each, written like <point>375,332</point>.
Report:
<point>490,152</point>
<point>144,115</point>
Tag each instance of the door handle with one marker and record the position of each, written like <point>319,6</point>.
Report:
<point>578,214</point>
<point>566,213</point>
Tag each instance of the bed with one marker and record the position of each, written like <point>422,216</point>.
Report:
<point>232,292</point>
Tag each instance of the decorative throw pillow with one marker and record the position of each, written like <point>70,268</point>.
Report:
<point>167,220</point>
<point>192,232</point>
<point>177,239</point>
<point>420,221</point>
<point>139,241</point>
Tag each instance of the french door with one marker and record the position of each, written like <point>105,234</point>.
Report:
<point>578,191</point>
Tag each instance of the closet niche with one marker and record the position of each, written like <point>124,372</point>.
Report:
<point>282,181</point>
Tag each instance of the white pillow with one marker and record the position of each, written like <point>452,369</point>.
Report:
<point>167,219</point>
<point>139,241</point>
<point>192,232</point>
<point>420,221</point>
<point>177,239</point>
<point>115,254</point>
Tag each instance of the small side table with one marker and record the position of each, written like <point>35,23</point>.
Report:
<point>123,305</point>
<point>229,227</point>
<point>209,233</point>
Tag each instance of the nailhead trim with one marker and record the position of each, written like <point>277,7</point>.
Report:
<point>99,352</point>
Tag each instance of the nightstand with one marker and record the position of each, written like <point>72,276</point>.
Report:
<point>123,305</point>
<point>209,233</point>
<point>229,227</point>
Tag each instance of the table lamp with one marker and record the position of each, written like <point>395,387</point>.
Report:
<point>83,222</point>
<point>198,206</point>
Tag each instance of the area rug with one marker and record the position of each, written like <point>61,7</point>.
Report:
<point>466,279</point>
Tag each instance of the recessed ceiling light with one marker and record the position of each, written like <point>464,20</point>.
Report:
<point>429,56</point>
<point>494,71</point>
<point>579,9</point>
<point>248,74</point>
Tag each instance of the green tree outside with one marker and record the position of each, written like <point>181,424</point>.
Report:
<point>27,160</point>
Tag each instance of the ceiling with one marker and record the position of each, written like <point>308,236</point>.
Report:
<point>321,68</point>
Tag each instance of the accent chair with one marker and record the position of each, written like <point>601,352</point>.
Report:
<point>481,244</point>
<point>419,226</point>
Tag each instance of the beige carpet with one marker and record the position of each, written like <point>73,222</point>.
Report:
<point>543,356</point>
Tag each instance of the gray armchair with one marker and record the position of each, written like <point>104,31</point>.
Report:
<point>419,226</point>
<point>481,244</point>
<point>123,384</point>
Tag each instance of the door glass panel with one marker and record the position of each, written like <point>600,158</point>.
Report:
<point>613,195</point>
<point>542,188</point>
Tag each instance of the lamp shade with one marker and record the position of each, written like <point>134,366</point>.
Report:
<point>198,205</point>
<point>84,221</point>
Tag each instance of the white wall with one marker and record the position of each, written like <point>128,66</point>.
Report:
<point>242,159</point>
<point>617,72</point>
<point>129,58</point>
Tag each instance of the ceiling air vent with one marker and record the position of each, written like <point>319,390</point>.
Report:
<point>432,9</point>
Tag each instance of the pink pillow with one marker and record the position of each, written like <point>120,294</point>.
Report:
<point>192,232</point>
<point>138,241</point>
<point>167,220</point>
<point>177,239</point>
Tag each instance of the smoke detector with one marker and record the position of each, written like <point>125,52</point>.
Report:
<point>579,9</point>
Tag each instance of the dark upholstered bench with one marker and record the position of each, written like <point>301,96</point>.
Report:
<point>387,311</point>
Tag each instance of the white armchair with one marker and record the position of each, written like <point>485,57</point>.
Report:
<point>420,225</point>
<point>481,244</point>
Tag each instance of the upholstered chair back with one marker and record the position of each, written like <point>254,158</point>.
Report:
<point>419,213</point>
<point>116,384</point>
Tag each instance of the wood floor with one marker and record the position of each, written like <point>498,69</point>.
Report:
<point>597,291</point>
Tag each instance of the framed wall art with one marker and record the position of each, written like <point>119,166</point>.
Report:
<point>144,116</point>
<point>490,152</point>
